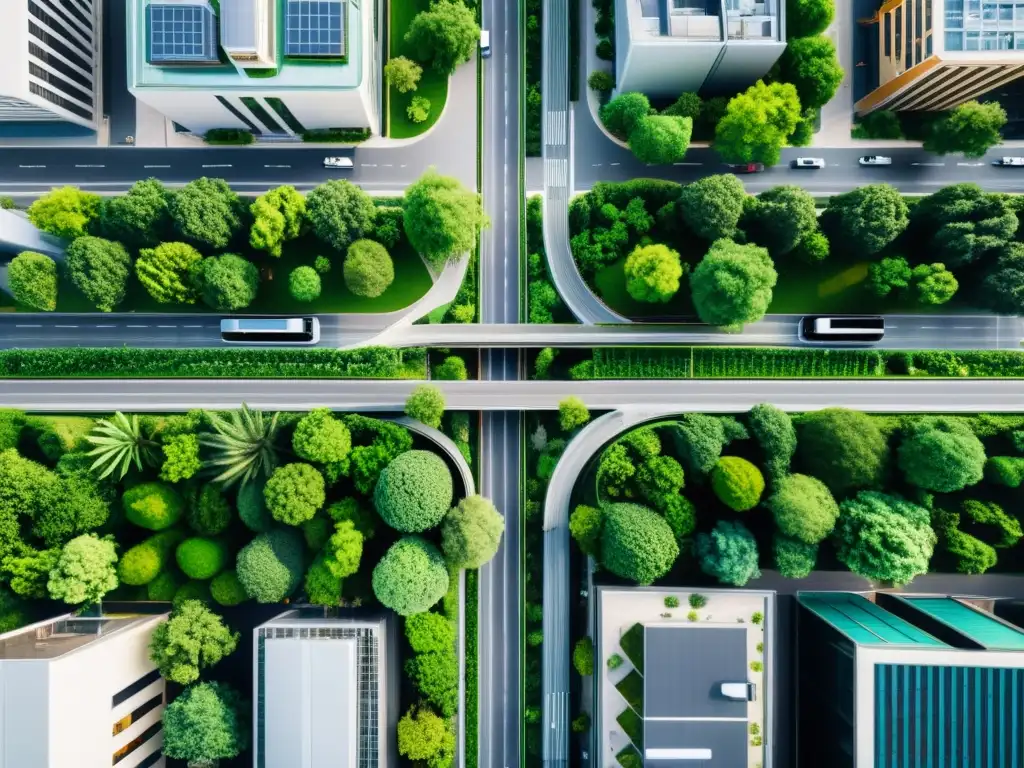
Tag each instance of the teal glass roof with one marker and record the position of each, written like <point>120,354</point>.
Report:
<point>970,622</point>
<point>864,622</point>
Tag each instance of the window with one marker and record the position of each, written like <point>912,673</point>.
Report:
<point>59,101</point>
<point>899,30</point>
<point>57,64</point>
<point>53,23</point>
<point>60,83</point>
<point>888,35</point>
<point>137,742</point>
<point>58,45</point>
<point>141,684</point>
<point>137,714</point>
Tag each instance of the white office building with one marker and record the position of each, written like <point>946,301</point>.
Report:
<point>48,61</point>
<point>79,692</point>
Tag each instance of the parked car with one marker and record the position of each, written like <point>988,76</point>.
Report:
<point>338,162</point>
<point>875,160</point>
<point>809,162</point>
<point>485,43</point>
<point>1010,161</point>
<point>747,168</point>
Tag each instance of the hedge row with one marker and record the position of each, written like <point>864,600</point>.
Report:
<point>125,362</point>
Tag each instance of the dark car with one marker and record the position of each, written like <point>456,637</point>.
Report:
<point>748,168</point>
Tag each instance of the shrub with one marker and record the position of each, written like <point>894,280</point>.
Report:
<point>322,265</point>
<point>270,566</point>
<point>227,282</point>
<point>316,532</point>
<point>794,559</point>
<point>843,448</point>
<point>211,513</point>
<point>989,513</point>
<point>321,438</point>
<point>181,458</point>
<point>227,590</point>
<point>942,454</point>
<point>411,577</point>
<point>304,284</point>
<point>368,269</point>
<point>365,520</point>
<point>1005,470</point>
<point>471,532</point>
<point>144,562</point>
<point>252,508</point>
<point>773,429</point>
<point>728,553</point>
<point>429,633</point>
<point>153,505</point>
<point>601,81</point>
<point>32,278</point>
<point>583,656</point>
<point>204,724</point>
<point>191,590</point>
<point>294,493</point>
<point>201,558</point>
<point>228,136</point>
<point>614,661</point>
<point>585,528</point>
<point>414,491</point>
<point>192,638</point>
<point>426,404</point>
<point>422,736</point>
<point>163,588</point>
<point>697,600</point>
<point>671,601</point>
<point>336,135</point>
<point>637,543</point>
<point>803,508</point>
<point>85,570</point>
<point>973,556</point>
<point>436,677</point>
<point>680,515</point>
<point>418,109</point>
<point>737,483</point>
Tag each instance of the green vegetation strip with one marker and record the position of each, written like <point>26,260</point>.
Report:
<point>472,670</point>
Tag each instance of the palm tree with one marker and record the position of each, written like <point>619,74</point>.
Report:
<point>243,444</point>
<point>119,443</point>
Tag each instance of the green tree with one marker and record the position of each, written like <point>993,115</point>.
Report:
<point>181,458</point>
<point>32,278</point>
<point>808,17</point>
<point>583,656</point>
<point>636,543</point>
<point>572,413</point>
<point>207,212</point>
<point>78,509</point>
<point>941,454</point>
<point>962,224</point>
<point>294,493</point>
<point>973,556</point>
<point>228,282</point>
<point>144,562</point>
<point>471,532</point>
<point>811,64</point>
<point>226,589</point>
<point>687,105</point>
<point>85,570</point>
<point>585,528</point>
<point>343,550</point>
<point>681,517</point>
<point>737,483</point>
<point>209,513</point>
<point>661,139</point>
<point>118,443</point>
<point>442,218</point>
<point>700,438</point>
<point>27,573</point>
<point>270,566</point>
<point>429,633</point>
<point>277,216</point>
<point>601,81</point>
<point>65,212</point>
<point>971,129</point>
<point>193,638</point>
<point>1002,289</point>
<point>166,272</point>
<point>844,449</point>
<point>402,74</point>
<point>452,368</point>
<point>728,553</point>
<point>711,207</point>
<point>732,284</point>
<point>99,269</point>
<point>13,612</point>
<point>411,576</point>
<point>426,404</point>
<point>883,537</point>
<point>865,220</point>
<point>419,109</point>
<point>624,113</point>
<point>321,438</point>
<point>436,677</point>
<point>339,212</point>
<point>658,477</point>
<point>322,586</point>
<point>891,273</point>
<point>368,269</point>
<point>813,248</point>
<point>1005,470</point>
<point>204,724</point>
<point>780,219</point>
<point>252,508</point>
<point>414,492</point>
<point>986,513</point>
<point>758,123</point>
<point>803,508</point>
<point>444,36</point>
<point>304,284</point>
<point>421,735</point>
<point>933,283</point>
<point>794,559</point>
<point>773,429</point>
<point>653,273</point>
<point>243,444</point>
<point>154,506</point>
<point>140,218</point>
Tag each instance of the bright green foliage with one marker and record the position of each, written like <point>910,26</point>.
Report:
<point>653,273</point>
<point>891,273</point>
<point>321,438</point>
<point>343,550</point>
<point>421,735</point>
<point>79,508</point>
<point>442,218</point>
<point>614,472</point>
<point>624,113</point>
<point>808,17</point>
<point>941,454</point>
<point>26,487</point>
<point>973,556</point>
<point>164,587</point>
<point>711,207</point>
<point>644,442</point>
<point>85,570</point>
<point>166,272</point>
<point>252,508</point>
<point>444,36</point>
<point>243,444</point>
<point>572,413</point>
<point>414,492</point>
<point>883,537</point>
<point>451,369</point>
<point>376,443</point>
<point>270,566</point>
<point>365,520</point>
<point>204,724</point>
<point>200,558</point>
<point>181,458</point>
<point>803,507</point>
<point>57,435</point>
<point>140,218</point>
<point>402,74</point>
<point>207,212</point>
<point>426,404</point>
<point>962,224</point>
<point>294,493</point>
<point>985,513</point>
<point>773,430</point>
<point>758,123</point>
<point>737,483</point>
<point>144,562</point>
<point>436,677</point>
<point>322,265</point>
<point>193,638</point>
<point>844,449</point>
<point>471,532</point>
<point>278,216</point>
<point>119,443</point>
<point>411,576</point>
<point>680,515</point>
<point>658,477</point>
<point>780,219</point>
<point>28,572</point>
<point>419,109</point>
<point>304,284</point>
<point>12,422</point>
<point>585,528</point>
<point>368,269</point>
<point>227,590</point>
<point>865,220</point>
<point>583,656</point>
<point>933,283</point>
<point>699,440</point>
<point>661,139</point>
<point>32,278</point>
<point>339,212</point>
<point>794,559</point>
<point>811,64</point>
<point>227,283</point>
<point>636,543</point>
<point>210,514</point>
<point>322,586</point>
<point>153,505</point>
<point>732,284</point>
<point>728,553</point>
<point>1005,470</point>
<point>429,633</point>
<point>65,212</point>
<point>813,248</point>
<point>971,129</point>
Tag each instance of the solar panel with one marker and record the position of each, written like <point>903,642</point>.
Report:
<point>315,28</point>
<point>181,33</point>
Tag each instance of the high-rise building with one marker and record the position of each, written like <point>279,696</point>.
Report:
<point>717,47</point>
<point>78,691</point>
<point>936,54</point>
<point>48,62</point>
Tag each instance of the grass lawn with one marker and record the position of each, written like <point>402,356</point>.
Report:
<point>611,287</point>
<point>632,643</point>
<point>433,86</point>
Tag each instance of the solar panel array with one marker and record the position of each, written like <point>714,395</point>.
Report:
<point>181,33</point>
<point>315,28</point>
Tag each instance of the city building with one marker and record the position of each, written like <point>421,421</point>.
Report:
<point>276,68</point>
<point>895,681</point>
<point>716,47</point>
<point>78,691</point>
<point>319,685</point>
<point>935,54</point>
<point>49,59</point>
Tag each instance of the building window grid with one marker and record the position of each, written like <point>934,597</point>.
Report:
<point>69,22</point>
<point>987,25</point>
<point>85,17</point>
<point>58,45</point>
<point>68,89</point>
<point>54,25</point>
<point>59,65</point>
<point>59,101</point>
<point>137,742</point>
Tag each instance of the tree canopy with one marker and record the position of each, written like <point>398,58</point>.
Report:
<point>780,218</point>
<point>368,269</point>
<point>99,269</point>
<point>933,283</point>
<point>811,64</point>
<point>228,282</point>
<point>892,273</point>
<point>65,212</point>
<point>444,36</point>
<point>794,559</point>
<point>422,735</point>
<point>321,438</point>
<point>572,413</point>
<point>141,217</point>
<point>414,492</point>
<point>661,139</point>
<point>737,483</point>
<point>207,212</point>
<point>773,429</point>
<point>867,219</point>
<point>653,273</point>
<point>167,272</point>
<point>85,570</point>
<point>304,284</point>
<point>963,224</point>
<point>844,449</point>
<point>636,543</point>
<point>442,218</point>
<point>808,17</point>
<point>971,129</point>
<point>192,638</point>
<point>622,114</point>
<point>426,404</point>
<point>758,123</point>
<point>270,566</point>
<point>32,278</point>
<point>585,528</point>
<point>471,532</point>
<point>277,216</point>
<point>732,284</point>
<point>728,553</point>
<point>1003,285</point>
<point>700,438</point>
<point>339,213</point>
<point>206,723</point>
<point>294,493</point>
<point>942,454</point>
<point>402,74</point>
<point>803,508</point>
<point>411,576</point>
<point>711,206</point>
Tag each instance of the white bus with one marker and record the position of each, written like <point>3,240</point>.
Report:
<point>270,330</point>
<point>842,329</point>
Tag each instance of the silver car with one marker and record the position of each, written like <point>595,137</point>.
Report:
<point>1014,162</point>
<point>875,160</point>
<point>809,162</point>
<point>338,162</point>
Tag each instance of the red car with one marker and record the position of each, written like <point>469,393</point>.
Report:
<point>748,168</point>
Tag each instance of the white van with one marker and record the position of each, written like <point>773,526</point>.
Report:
<point>485,43</point>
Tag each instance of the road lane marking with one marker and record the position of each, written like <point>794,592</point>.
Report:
<point>106,326</point>
<point>971,165</point>
<point>931,165</point>
<point>614,163</point>
<point>388,165</point>
<point>368,165</point>
<point>31,166</point>
<point>596,165</point>
<point>138,326</point>
<point>687,163</point>
<point>65,326</point>
<point>167,326</point>
<point>277,166</point>
<point>221,165</point>
<point>90,166</point>
<point>193,326</point>
<point>156,166</point>
<point>28,326</point>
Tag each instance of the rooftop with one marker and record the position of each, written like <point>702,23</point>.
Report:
<point>704,20</point>
<point>983,628</point>
<point>59,637</point>
<point>985,26</point>
<point>864,622</point>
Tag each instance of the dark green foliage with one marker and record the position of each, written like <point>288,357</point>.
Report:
<point>811,64</point>
<point>200,558</point>
<point>963,224</point>
<point>211,513</point>
<point>230,137</point>
<point>164,587</point>
<point>227,283</point>
<point>316,532</point>
<point>659,476</point>
<point>429,633</point>
<point>843,448</point>
<point>732,284</point>
<point>271,565</point>
<point>773,429</point>
<point>414,492</point>
<point>99,269</point>
<point>1003,286</point>
<point>780,218</point>
<point>680,515</point>
<point>629,757</point>
<point>78,509</point>
<point>252,508</point>
<point>140,218</point>
<point>699,440</point>
<point>687,105</point>
<point>363,518</point>
<point>227,590</point>
<point>153,505</point>
<point>368,269</point>
<point>632,644</point>
<point>411,577</point>
<point>376,444</point>
<point>728,553</point>
<point>1005,470</point>
<point>803,508</point>
<point>941,454</point>
<point>889,274</point>
<point>865,220</point>
<point>624,113</point>
<point>206,723</point>
<point>970,129</point>
<point>471,532</point>
<point>583,656</point>
<point>987,513</point>
<point>637,543</point>
<point>585,528</point>
<point>808,17</point>
<point>13,612</point>
<point>444,36</point>
<point>339,212</point>
<point>207,212</point>
<point>191,590</point>
<point>436,677</point>
<point>711,207</point>
<point>294,493</point>
<point>737,483</point>
<point>813,248</point>
<point>794,559</point>
<point>632,689</point>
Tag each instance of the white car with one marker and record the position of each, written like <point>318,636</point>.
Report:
<point>809,162</point>
<point>1010,161</point>
<point>875,160</point>
<point>337,162</point>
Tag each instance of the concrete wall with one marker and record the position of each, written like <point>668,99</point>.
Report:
<point>18,234</point>
<point>665,67</point>
<point>741,65</point>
